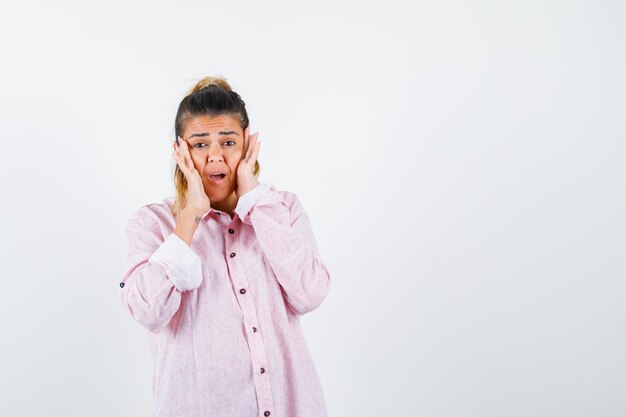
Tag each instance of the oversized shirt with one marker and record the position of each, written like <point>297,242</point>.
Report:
<point>222,314</point>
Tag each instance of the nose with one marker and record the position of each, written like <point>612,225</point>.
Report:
<point>215,155</point>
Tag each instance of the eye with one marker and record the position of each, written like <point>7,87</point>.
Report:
<point>204,145</point>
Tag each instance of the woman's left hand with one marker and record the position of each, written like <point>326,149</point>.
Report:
<point>246,180</point>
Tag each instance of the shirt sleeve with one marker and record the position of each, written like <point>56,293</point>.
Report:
<point>157,272</point>
<point>287,241</point>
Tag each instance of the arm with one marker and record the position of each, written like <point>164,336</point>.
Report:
<point>157,272</point>
<point>286,238</point>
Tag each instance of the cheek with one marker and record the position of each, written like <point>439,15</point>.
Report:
<point>233,161</point>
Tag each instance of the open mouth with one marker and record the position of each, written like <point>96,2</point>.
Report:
<point>217,178</point>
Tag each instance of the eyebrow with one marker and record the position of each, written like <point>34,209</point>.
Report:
<point>222,133</point>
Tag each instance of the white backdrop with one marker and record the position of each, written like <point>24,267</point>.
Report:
<point>462,164</point>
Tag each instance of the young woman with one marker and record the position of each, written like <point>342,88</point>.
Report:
<point>220,274</point>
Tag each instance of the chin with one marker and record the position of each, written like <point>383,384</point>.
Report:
<point>219,194</point>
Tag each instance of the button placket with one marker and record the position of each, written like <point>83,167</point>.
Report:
<point>255,343</point>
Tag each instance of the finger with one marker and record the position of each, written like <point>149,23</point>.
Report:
<point>251,146</point>
<point>248,148</point>
<point>186,155</point>
<point>187,171</point>
<point>256,151</point>
<point>246,151</point>
<point>180,160</point>
<point>255,148</point>
<point>180,164</point>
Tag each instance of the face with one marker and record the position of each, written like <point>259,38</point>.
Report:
<point>216,143</point>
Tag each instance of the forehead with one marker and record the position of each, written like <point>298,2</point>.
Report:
<point>199,124</point>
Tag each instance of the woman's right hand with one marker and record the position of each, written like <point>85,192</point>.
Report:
<point>197,199</point>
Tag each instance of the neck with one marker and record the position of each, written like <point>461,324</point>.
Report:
<point>227,205</point>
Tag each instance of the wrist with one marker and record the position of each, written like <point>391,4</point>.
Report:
<point>246,185</point>
<point>191,215</point>
<point>187,224</point>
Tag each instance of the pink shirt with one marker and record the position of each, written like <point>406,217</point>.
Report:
<point>222,315</point>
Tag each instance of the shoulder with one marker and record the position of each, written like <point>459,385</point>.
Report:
<point>288,197</point>
<point>291,200</point>
<point>156,212</point>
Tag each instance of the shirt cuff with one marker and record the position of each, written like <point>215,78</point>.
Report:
<point>183,265</point>
<point>249,199</point>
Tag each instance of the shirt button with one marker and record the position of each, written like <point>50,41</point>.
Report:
<point>231,231</point>
<point>262,370</point>
<point>242,291</point>
<point>254,329</point>
<point>232,254</point>
<point>267,413</point>
<point>121,285</point>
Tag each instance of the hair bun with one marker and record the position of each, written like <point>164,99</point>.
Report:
<point>219,82</point>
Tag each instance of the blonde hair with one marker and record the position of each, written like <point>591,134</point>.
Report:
<point>211,96</point>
